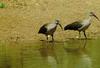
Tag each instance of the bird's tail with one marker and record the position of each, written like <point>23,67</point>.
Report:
<point>39,32</point>
<point>66,27</point>
<point>42,30</point>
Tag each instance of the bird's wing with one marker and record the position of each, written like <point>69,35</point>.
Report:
<point>43,29</point>
<point>73,26</point>
<point>50,26</point>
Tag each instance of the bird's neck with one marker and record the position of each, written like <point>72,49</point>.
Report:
<point>88,18</point>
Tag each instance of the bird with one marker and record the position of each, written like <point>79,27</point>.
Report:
<point>81,25</point>
<point>48,29</point>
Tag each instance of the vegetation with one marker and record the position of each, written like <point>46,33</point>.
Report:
<point>2,5</point>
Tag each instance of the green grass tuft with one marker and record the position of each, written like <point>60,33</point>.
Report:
<point>2,5</point>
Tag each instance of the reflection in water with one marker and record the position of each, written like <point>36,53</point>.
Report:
<point>85,61</point>
<point>75,43</point>
<point>70,54</point>
<point>77,60</point>
<point>84,44</point>
<point>4,58</point>
<point>48,53</point>
<point>77,57</point>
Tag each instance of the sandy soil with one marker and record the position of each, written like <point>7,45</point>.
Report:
<point>22,18</point>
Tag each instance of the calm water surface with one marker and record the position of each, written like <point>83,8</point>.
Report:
<point>43,54</point>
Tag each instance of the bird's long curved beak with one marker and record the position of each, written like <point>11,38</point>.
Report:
<point>60,26</point>
<point>96,17</point>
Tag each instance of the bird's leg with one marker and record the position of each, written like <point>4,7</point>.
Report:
<point>47,37</point>
<point>85,34</point>
<point>52,38</point>
<point>79,34</point>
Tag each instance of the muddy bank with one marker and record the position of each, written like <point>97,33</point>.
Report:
<point>22,19</point>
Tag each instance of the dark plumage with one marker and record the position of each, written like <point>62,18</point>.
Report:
<point>73,26</point>
<point>43,29</point>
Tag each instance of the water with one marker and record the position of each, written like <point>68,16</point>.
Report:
<point>43,54</point>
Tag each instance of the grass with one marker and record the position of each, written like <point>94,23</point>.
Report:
<point>2,5</point>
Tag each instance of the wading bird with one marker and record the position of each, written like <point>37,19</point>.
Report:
<point>49,29</point>
<point>81,25</point>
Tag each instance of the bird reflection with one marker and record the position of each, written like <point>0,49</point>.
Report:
<point>77,57</point>
<point>47,52</point>
<point>75,44</point>
<point>85,43</point>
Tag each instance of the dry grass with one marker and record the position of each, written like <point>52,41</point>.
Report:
<point>23,18</point>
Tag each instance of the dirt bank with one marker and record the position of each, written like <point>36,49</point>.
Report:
<point>22,18</point>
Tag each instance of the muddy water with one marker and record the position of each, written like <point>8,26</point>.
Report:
<point>43,54</point>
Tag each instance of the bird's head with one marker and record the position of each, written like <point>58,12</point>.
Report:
<point>94,15</point>
<point>57,22</point>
